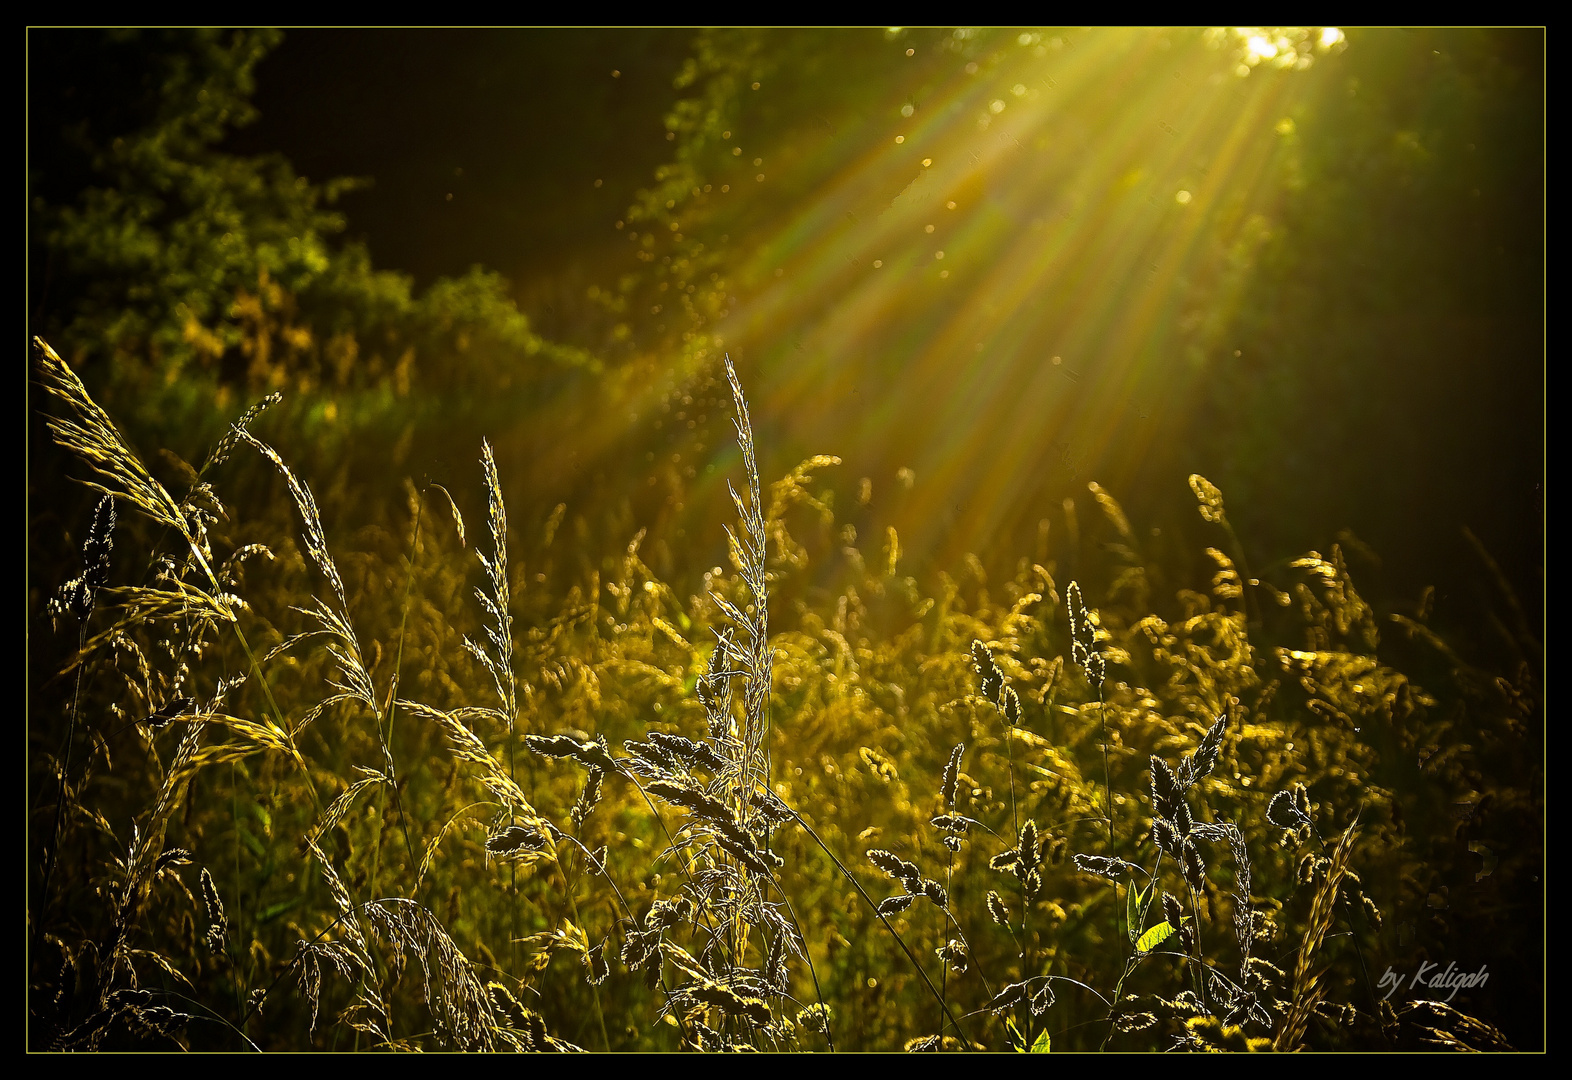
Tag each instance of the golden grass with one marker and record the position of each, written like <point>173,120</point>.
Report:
<point>637,820</point>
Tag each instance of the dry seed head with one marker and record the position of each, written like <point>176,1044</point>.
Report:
<point>769,806</point>
<point>516,840</point>
<point>93,437</point>
<point>1372,912</point>
<point>730,1002</point>
<point>898,868</point>
<point>1307,990</point>
<point>1226,584</point>
<point>1262,974</point>
<point>741,847</point>
<point>775,969</point>
<point>231,439</point>
<point>588,797</point>
<point>953,953</point>
<point>1165,836</point>
<point>1005,860</point>
<point>664,914</point>
<point>80,594</point>
<point>1032,885</point>
<point>637,948</point>
<point>535,1031</point>
<point>1008,998</point>
<point>1165,789</point>
<point>894,905</point>
<point>1190,861</point>
<point>310,516</point>
<point>458,518</point>
<point>1027,846</point>
<point>1083,636</point>
<point>952,771</point>
<point>987,670</point>
<point>595,960</point>
<point>1135,1021</point>
<point>1282,812</point>
<point>1200,764</point>
<point>815,1017</point>
<point>951,823</point>
<point>173,708</point>
<point>997,909</point>
<point>689,752</point>
<point>703,806</point>
<point>878,763</point>
<point>503,1001</point>
<point>1111,509</point>
<point>935,892</point>
<point>218,925</point>
<point>1010,707</point>
<point>1102,865</point>
<point>592,753</point>
<point>172,857</point>
<point>1209,498</point>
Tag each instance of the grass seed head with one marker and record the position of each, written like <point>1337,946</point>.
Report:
<point>952,771</point>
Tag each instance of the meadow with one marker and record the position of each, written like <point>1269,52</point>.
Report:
<point>373,808</point>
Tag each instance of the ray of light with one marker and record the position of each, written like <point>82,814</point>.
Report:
<point>992,299</point>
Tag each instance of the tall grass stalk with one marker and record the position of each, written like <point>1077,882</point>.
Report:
<point>679,745</point>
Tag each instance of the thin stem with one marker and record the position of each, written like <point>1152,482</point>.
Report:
<point>829,1038</point>
<point>1195,915</point>
<point>875,908</point>
<point>387,744</point>
<point>240,909</point>
<point>211,1016</point>
<point>944,974</point>
<point>1102,713</point>
<point>65,770</point>
<point>600,1016</point>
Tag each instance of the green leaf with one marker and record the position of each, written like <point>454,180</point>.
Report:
<point>274,911</point>
<point>256,846</point>
<point>1155,937</point>
<point>1043,1043</point>
<point>1134,908</point>
<point>1016,1038</point>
